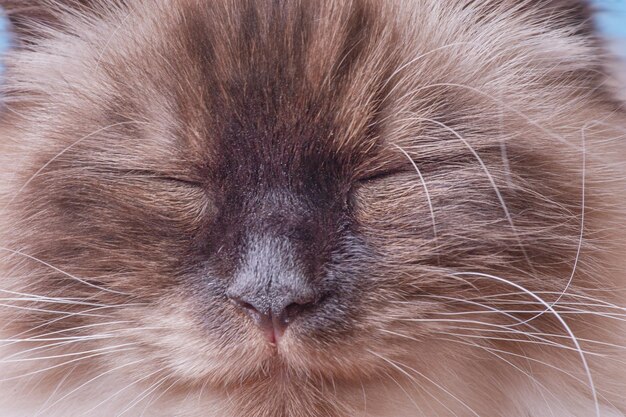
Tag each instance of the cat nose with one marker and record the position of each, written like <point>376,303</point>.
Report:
<point>272,287</point>
<point>273,313</point>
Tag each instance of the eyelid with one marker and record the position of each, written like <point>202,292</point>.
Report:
<point>177,180</point>
<point>160,176</point>
<point>381,175</point>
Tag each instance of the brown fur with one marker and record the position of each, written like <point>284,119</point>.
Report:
<point>421,162</point>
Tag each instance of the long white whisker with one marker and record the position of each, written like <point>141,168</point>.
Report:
<point>50,301</point>
<point>442,388</point>
<point>52,339</point>
<point>35,297</point>
<point>501,103</point>
<point>519,369</point>
<point>517,355</point>
<point>50,322</point>
<point>39,371</point>
<point>541,342</point>
<point>474,303</point>
<point>428,199</point>
<point>143,395</point>
<point>57,388</point>
<point>67,354</point>
<point>583,359</point>
<point>110,38</point>
<point>531,342</point>
<point>563,309</point>
<point>58,155</point>
<point>43,310</point>
<point>82,281</point>
<point>116,393</point>
<point>600,303</point>
<point>69,341</point>
<point>543,335</point>
<point>110,371</point>
<point>582,223</point>
<point>153,400</point>
<point>491,181</point>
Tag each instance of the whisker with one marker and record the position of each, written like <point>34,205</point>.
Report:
<point>503,104</point>
<point>57,388</point>
<point>56,320</point>
<point>68,354</point>
<point>414,60</point>
<point>64,364</point>
<point>108,372</point>
<point>475,303</point>
<point>443,389</point>
<point>596,300</point>
<point>142,396</point>
<point>583,359</point>
<point>110,38</point>
<point>82,281</point>
<point>559,336</point>
<point>51,301</point>
<point>43,310</point>
<point>541,342</point>
<point>563,309</point>
<point>527,374</point>
<point>58,155</point>
<point>115,394</point>
<point>153,400</point>
<point>532,342</point>
<point>70,339</point>
<point>34,297</point>
<point>427,193</point>
<point>582,223</point>
<point>56,339</point>
<point>491,181</point>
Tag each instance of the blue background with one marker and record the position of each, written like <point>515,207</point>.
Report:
<point>3,37</point>
<point>611,19</point>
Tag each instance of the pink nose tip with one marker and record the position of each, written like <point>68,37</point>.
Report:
<point>272,323</point>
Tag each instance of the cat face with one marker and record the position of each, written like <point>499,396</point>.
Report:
<point>241,191</point>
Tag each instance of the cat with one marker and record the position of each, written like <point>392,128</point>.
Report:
<point>333,208</point>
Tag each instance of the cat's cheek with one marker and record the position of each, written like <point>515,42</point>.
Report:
<point>395,221</point>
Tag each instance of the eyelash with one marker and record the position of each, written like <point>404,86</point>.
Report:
<point>157,176</point>
<point>377,176</point>
<point>180,181</point>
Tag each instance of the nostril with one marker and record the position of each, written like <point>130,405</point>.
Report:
<point>292,311</point>
<point>262,318</point>
<point>274,313</point>
<point>249,309</point>
<point>245,306</point>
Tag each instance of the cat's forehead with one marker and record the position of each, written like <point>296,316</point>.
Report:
<point>291,90</point>
<point>274,92</point>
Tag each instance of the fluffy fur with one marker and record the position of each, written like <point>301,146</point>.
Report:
<point>447,177</point>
